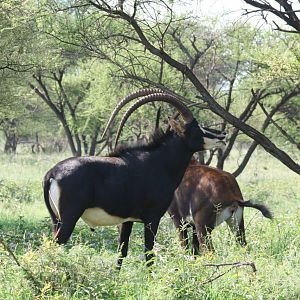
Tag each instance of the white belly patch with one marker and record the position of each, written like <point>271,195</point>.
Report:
<point>98,217</point>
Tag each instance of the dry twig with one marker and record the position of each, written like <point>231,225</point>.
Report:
<point>232,265</point>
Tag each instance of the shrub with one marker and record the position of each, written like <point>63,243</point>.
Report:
<point>11,191</point>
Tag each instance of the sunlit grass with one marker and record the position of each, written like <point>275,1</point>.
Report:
<point>27,168</point>
<point>85,268</point>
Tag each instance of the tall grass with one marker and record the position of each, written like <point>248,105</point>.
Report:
<point>85,268</point>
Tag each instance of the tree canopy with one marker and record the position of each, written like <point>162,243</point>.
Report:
<point>76,59</point>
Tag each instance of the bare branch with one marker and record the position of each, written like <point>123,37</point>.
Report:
<point>281,130</point>
<point>285,13</point>
<point>233,265</point>
<point>265,125</point>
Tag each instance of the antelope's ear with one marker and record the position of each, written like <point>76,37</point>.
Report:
<point>177,127</point>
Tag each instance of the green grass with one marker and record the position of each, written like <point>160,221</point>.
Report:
<point>85,268</point>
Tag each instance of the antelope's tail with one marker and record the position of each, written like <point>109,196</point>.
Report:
<point>51,205</point>
<point>262,208</point>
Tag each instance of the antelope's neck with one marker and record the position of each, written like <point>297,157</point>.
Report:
<point>176,158</point>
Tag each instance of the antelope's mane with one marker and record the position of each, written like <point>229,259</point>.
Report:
<point>155,141</point>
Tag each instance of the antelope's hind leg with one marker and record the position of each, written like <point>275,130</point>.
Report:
<point>183,235</point>
<point>67,224</point>
<point>181,227</point>
<point>195,246</point>
<point>236,224</point>
<point>69,215</point>
<point>204,228</point>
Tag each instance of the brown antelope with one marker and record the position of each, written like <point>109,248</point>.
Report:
<point>205,198</point>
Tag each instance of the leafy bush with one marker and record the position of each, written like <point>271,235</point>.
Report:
<point>75,273</point>
<point>11,191</point>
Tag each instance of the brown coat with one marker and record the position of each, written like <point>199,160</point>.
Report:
<point>205,198</point>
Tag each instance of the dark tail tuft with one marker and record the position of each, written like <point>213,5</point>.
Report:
<point>264,210</point>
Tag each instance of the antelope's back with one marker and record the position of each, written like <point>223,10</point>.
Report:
<point>202,186</point>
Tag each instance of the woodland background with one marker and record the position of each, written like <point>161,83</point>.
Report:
<point>64,65</point>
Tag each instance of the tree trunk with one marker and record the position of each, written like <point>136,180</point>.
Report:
<point>11,142</point>
<point>94,141</point>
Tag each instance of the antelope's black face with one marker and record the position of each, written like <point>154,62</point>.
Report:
<point>203,138</point>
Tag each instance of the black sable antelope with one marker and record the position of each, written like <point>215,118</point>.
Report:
<point>205,198</point>
<point>133,184</point>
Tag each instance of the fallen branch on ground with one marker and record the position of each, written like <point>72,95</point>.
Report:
<point>232,265</point>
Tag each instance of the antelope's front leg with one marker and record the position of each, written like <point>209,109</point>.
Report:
<point>124,234</point>
<point>150,230</point>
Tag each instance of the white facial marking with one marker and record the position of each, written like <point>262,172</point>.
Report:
<point>215,140</point>
<point>212,143</point>
<point>54,195</point>
<point>99,217</point>
<point>203,130</point>
<point>216,135</point>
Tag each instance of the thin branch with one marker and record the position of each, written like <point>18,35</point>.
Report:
<point>265,125</point>
<point>233,265</point>
<point>283,132</point>
<point>287,14</point>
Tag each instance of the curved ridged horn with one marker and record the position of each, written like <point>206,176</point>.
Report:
<point>176,115</point>
<point>182,109</point>
<point>130,97</point>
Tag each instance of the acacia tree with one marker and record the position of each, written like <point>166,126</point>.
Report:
<point>15,37</point>
<point>283,9</point>
<point>271,73</point>
<point>12,43</point>
<point>52,71</point>
<point>218,59</point>
<point>8,119</point>
<point>65,103</point>
<point>135,32</point>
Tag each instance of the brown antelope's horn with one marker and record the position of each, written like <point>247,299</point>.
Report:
<point>130,97</point>
<point>182,108</point>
